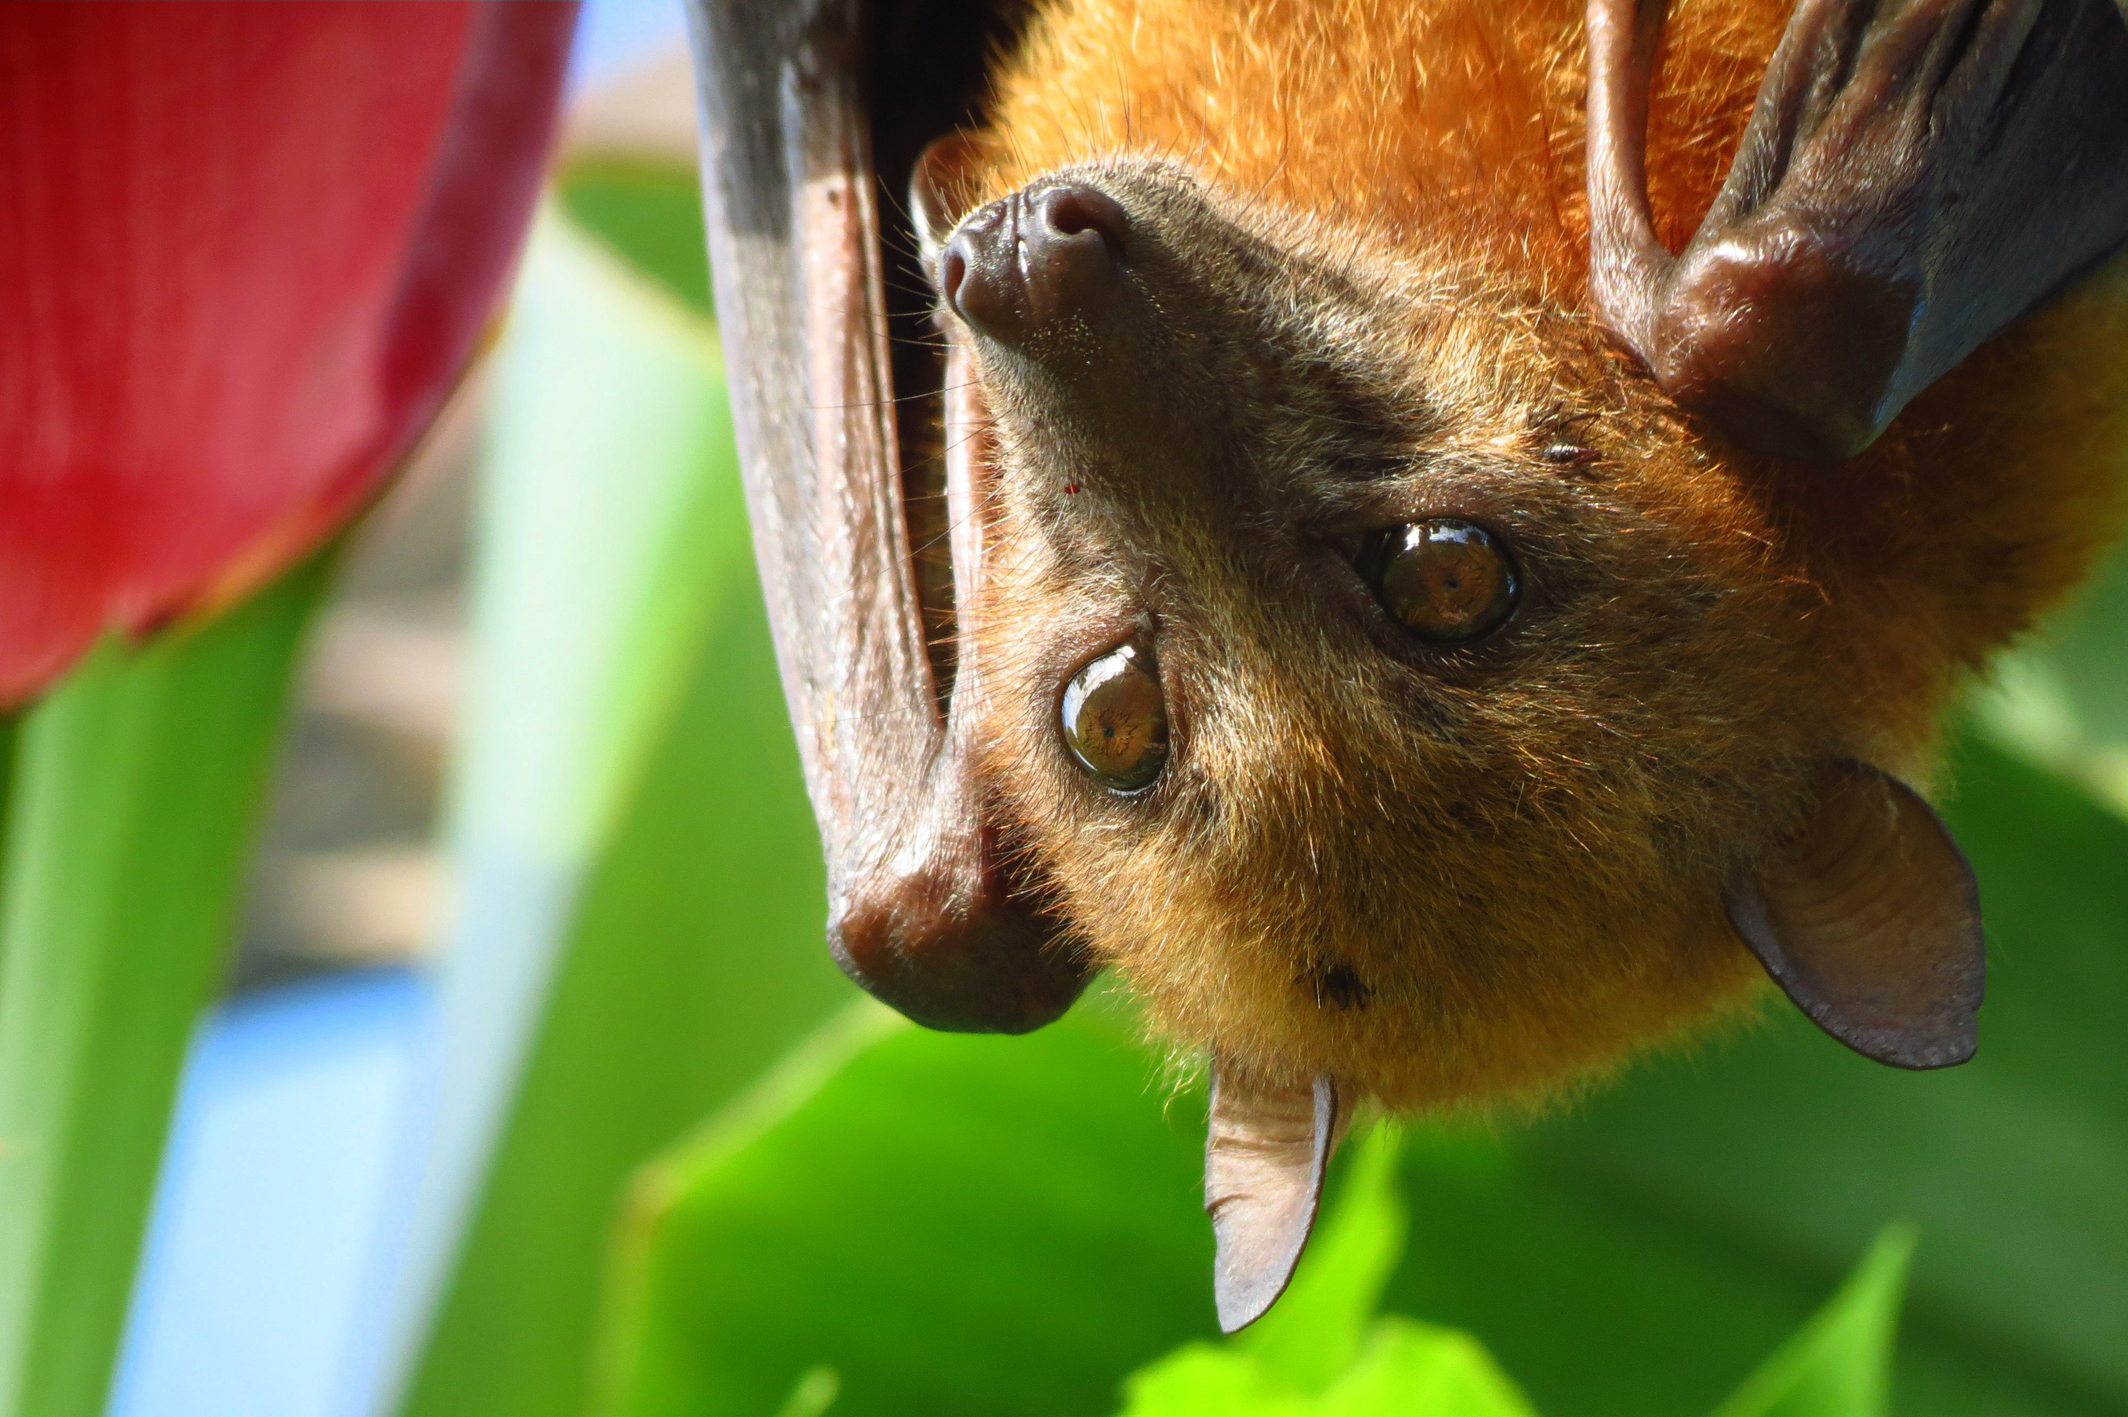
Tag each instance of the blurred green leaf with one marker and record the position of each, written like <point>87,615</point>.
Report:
<point>2088,643</point>
<point>1313,1333</point>
<point>10,725</point>
<point>631,816</point>
<point>136,786</point>
<point>1412,1368</point>
<point>1205,1380</point>
<point>649,213</point>
<point>953,1223</point>
<point>814,1394</point>
<point>2060,701</point>
<point>1839,1364</point>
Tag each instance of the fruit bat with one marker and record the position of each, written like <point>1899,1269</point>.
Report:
<point>1430,537</point>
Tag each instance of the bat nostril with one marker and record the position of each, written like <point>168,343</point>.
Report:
<point>952,270</point>
<point>1075,208</point>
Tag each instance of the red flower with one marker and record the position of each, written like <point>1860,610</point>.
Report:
<point>245,250</point>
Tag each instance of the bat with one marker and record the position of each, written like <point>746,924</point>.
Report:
<point>1432,538</point>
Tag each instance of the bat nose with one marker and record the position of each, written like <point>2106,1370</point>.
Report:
<point>1038,258</point>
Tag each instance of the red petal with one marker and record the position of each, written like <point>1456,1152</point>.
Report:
<point>245,250</point>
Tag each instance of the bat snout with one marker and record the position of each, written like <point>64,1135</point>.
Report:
<point>1044,256</point>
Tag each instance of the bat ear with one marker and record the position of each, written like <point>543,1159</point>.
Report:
<point>1265,1151</point>
<point>1869,920</point>
<point>941,190</point>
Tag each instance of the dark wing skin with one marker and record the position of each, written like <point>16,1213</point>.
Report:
<point>922,908</point>
<point>1917,175</point>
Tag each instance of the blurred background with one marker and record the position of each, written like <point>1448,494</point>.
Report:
<point>531,1089</point>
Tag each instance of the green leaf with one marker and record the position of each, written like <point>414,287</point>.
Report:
<point>2061,702</point>
<point>642,895</point>
<point>1839,1364</point>
<point>1313,1333</point>
<point>649,213</point>
<point>1416,1370</point>
<point>953,1223</point>
<point>1206,1380</point>
<point>136,787</point>
<point>814,1394</point>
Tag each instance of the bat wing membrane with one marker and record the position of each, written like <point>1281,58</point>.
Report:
<point>923,910</point>
<point>1916,175</point>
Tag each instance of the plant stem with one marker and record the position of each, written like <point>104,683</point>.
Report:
<point>134,792</point>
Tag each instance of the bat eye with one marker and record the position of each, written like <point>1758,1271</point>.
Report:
<point>1446,580</point>
<point>1115,720</point>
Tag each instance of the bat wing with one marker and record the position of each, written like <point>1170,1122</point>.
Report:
<point>805,105</point>
<point>1917,174</point>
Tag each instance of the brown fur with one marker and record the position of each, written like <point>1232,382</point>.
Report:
<point>1476,875</point>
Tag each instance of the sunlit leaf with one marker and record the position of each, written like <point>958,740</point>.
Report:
<point>136,787</point>
<point>1314,1332</point>
<point>1416,1370</point>
<point>1839,1364</point>
<point>1320,1352</point>
<point>953,1223</point>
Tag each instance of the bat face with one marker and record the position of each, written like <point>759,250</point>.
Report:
<point>1441,852</point>
<point>1457,512</point>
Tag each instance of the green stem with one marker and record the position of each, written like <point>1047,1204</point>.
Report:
<point>134,793</point>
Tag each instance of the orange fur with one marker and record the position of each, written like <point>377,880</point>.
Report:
<point>1530,887</point>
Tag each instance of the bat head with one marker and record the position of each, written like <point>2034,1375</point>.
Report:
<point>1374,672</point>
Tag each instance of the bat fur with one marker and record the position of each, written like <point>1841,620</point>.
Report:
<point>1484,875</point>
